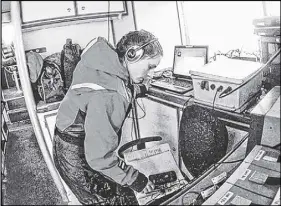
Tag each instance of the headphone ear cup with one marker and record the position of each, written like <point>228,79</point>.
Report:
<point>134,55</point>
<point>131,54</point>
<point>139,54</point>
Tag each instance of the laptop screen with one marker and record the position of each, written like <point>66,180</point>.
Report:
<point>187,58</point>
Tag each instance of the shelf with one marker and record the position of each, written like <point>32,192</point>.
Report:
<point>269,39</point>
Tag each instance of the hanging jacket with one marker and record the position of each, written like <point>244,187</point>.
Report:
<point>95,108</point>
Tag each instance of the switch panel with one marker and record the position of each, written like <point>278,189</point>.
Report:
<point>204,85</point>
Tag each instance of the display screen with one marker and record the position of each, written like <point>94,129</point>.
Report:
<point>189,58</point>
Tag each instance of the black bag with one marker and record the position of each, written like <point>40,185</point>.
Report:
<point>50,84</point>
<point>70,56</point>
<point>203,139</point>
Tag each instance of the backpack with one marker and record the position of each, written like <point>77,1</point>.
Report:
<point>70,56</point>
<point>50,83</point>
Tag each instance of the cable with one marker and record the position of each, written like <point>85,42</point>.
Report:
<point>209,186</point>
<point>213,104</point>
<point>238,144</point>
<point>223,94</point>
<point>143,110</point>
<point>132,127</point>
<point>9,68</point>
<point>212,114</point>
<point>213,108</point>
<point>233,53</point>
<point>137,118</point>
<point>142,105</point>
<point>234,161</point>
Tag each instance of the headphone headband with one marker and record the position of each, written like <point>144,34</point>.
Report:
<point>151,41</point>
<point>135,52</point>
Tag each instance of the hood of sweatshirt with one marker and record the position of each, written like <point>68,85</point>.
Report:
<point>99,68</point>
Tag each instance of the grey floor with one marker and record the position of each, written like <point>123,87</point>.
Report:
<point>28,180</point>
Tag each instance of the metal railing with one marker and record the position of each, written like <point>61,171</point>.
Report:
<point>29,99</point>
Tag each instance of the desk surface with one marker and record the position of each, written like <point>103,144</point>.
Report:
<point>164,97</point>
<point>170,98</point>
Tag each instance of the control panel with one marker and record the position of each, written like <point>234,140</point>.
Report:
<point>255,181</point>
<point>206,85</point>
<point>229,194</point>
<point>264,157</point>
<point>228,84</point>
<point>233,97</point>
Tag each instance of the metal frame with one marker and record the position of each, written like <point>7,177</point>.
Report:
<point>182,24</point>
<point>264,8</point>
<point>29,99</point>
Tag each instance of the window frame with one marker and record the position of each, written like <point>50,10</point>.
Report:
<point>185,39</point>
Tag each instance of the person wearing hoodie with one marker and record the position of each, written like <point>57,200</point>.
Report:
<point>90,118</point>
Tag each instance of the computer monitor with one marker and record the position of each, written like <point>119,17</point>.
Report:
<point>188,57</point>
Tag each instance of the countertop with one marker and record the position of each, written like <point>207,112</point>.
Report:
<point>158,95</point>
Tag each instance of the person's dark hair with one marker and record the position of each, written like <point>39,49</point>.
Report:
<point>138,38</point>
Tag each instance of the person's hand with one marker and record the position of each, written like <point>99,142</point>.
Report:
<point>148,188</point>
<point>147,82</point>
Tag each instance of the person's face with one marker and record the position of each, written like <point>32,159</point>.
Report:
<point>143,69</point>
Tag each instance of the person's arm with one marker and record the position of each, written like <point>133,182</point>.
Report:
<point>105,113</point>
<point>140,90</point>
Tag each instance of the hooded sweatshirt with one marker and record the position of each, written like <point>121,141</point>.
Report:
<point>95,107</point>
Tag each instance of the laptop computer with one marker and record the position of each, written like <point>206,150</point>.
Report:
<point>186,58</point>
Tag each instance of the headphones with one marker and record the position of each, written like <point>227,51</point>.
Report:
<point>135,53</point>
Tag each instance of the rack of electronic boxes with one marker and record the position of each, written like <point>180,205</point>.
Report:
<point>268,30</point>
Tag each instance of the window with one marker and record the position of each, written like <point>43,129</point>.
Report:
<point>161,19</point>
<point>223,25</point>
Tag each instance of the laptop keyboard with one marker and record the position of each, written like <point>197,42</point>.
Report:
<point>177,82</point>
<point>175,85</point>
